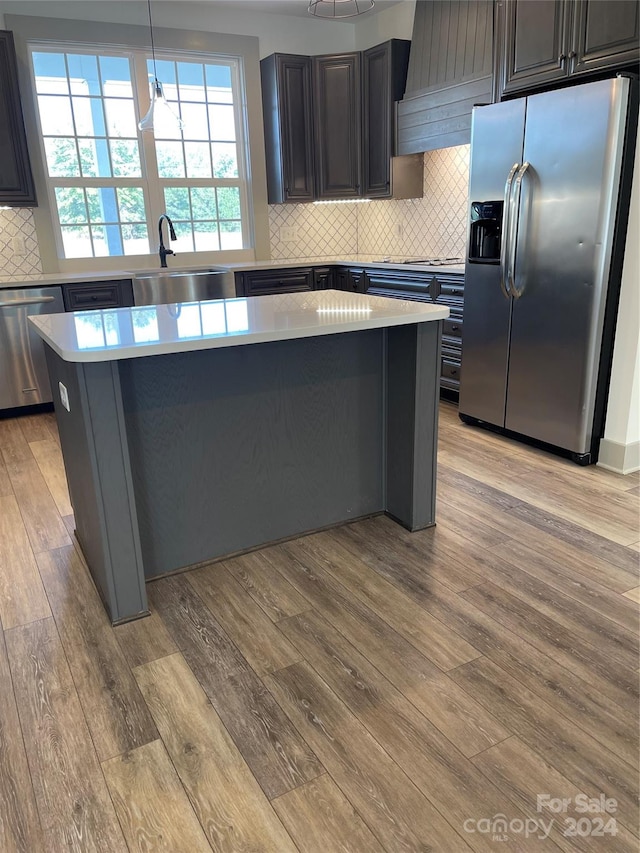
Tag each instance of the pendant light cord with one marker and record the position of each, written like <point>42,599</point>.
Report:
<point>153,49</point>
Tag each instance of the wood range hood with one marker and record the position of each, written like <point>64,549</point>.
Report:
<point>450,70</point>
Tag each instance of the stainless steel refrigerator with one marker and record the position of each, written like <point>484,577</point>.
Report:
<point>549,194</point>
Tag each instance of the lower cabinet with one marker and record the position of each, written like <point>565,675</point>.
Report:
<point>444,289</point>
<point>264,282</point>
<point>85,295</point>
<point>353,280</point>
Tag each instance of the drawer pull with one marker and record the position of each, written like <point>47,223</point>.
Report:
<point>455,328</point>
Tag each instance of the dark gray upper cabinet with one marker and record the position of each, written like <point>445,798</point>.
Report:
<point>338,123</point>
<point>384,74</point>
<point>606,34</point>
<point>286,104</point>
<point>551,41</point>
<point>330,126</point>
<point>450,70</point>
<point>16,181</point>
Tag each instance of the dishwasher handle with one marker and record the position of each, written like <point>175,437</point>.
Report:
<point>34,300</point>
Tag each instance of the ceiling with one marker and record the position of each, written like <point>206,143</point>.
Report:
<point>298,8</point>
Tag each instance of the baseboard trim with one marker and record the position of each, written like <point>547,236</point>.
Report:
<point>621,458</point>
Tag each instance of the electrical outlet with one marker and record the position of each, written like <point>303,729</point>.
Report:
<point>64,396</point>
<point>19,246</point>
<point>288,234</point>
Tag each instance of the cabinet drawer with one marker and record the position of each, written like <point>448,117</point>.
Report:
<point>280,281</point>
<point>104,294</point>
<point>323,278</point>
<point>450,374</point>
<point>452,328</point>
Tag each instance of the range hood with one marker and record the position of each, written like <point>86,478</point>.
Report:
<point>450,70</point>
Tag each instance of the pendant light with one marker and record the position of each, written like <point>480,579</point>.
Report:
<point>159,111</point>
<point>339,8</point>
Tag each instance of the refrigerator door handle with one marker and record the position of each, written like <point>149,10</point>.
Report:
<point>514,227</point>
<point>505,229</point>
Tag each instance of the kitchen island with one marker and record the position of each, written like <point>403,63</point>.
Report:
<point>191,432</point>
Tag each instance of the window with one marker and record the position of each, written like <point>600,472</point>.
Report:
<point>108,183</point>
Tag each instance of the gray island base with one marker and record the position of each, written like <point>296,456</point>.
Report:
<point>184,457</point>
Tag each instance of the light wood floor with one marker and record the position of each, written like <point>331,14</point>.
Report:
<point>358,690</point>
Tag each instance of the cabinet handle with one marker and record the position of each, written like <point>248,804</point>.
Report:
<point>454,328</point>
<point>572,54</point>
<point>454,372</point>
<point>562,57</point>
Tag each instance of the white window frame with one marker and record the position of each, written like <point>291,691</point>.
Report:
<point>152,184</point>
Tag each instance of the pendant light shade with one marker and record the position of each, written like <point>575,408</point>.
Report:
<point>339,8</point>
<point>159,113</point>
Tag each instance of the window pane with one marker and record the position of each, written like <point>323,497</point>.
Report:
<point>55,115</point>
<point>121,118</point>
<point>198,159</point>
<point>76,241</point>
<point>191,81</point>
<point>89,117</point>
<point>228,202</point>
<point>94,158</point>
<point>131,204</point>
<point>116,76</point>
<point>231,235</point>
<point>176,202</point>
<point>222,123</point>
<point>136,239</point>
<point>184,234</point>
<point>102,204</point>
<point>62,158</point>
<point>101,241</point>
<point>170,159</point>
<point>166,75</point>
<point>203,202</point>
<point>125,158</point>
<point>50,73</point>
<point>219,83</point>
<point>71,205</point>
<point>206,236</point>
<point>225,160</point>
<point>83,74</point>
<point>195,120</point>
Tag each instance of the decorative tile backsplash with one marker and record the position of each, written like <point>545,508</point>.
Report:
<point>316,230</point>
<point>18,222</point>
<point>433,226</point>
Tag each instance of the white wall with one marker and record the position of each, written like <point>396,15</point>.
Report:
<point>284,33</point>
<point>623,411</point>
<point>393,23</point>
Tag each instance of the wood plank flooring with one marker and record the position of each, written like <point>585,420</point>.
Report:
<point>359,690</point>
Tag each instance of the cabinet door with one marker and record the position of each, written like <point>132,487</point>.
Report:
<point>377,120</point>
<point>323,278</point>
<point>536,33</point>
<point>606,34</point>
<point>286,101</point>
<point>337,119</point>
<point>16,181</point>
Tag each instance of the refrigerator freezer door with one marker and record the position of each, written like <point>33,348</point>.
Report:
<point>497,138</point>
<point>573,143</point>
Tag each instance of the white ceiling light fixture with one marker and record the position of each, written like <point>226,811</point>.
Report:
<point>159,111</point>
<point>339,8</point>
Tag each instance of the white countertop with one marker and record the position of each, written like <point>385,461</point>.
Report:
<point>120,333</point>
<point>44,279</point>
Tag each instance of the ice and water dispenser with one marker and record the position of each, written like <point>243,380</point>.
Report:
<point>486,232</point>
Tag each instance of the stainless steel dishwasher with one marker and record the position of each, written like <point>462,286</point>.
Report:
<point>24,380</point>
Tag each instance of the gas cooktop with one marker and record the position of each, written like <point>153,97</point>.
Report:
<point>432,262</point>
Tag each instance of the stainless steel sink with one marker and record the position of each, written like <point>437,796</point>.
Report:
<point>165,286</point>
